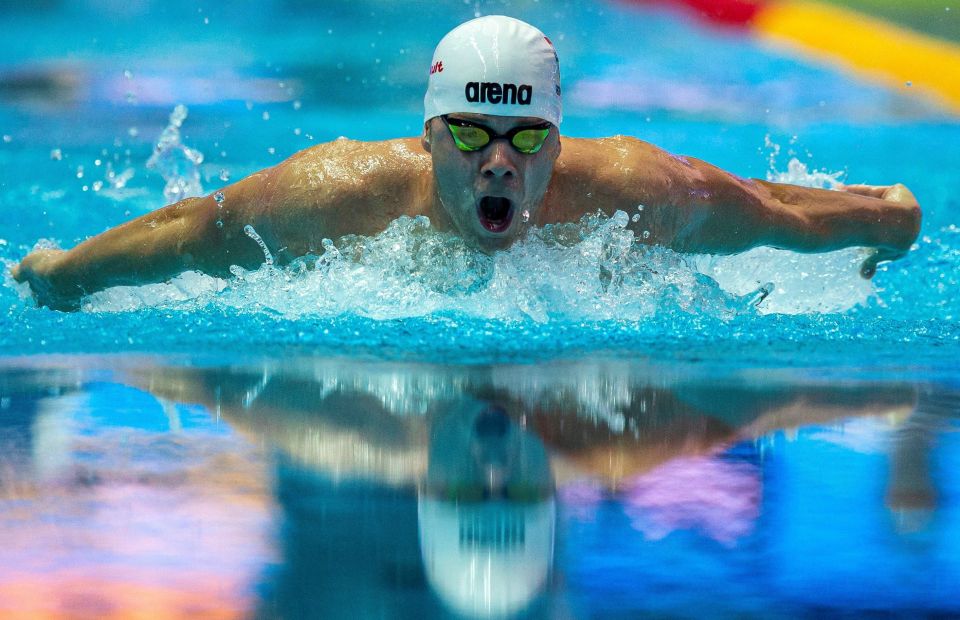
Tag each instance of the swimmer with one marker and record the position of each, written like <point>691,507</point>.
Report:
<point>488,165</point>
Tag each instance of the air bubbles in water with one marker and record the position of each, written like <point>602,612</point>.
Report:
<point>218,197</point>
<point>224,175</point>
<point>525,215</point>
<point>56,154</point>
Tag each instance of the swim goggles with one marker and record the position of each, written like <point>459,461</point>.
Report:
<point>470,136</point>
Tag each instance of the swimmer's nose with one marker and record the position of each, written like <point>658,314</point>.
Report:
<point>499,160</point>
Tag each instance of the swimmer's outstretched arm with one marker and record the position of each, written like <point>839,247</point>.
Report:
<point>327,191</point>
<point>701,208</point>
<point>151,248</point>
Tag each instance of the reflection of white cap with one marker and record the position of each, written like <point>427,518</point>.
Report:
<point>489,558</point>
<point>495,65</point>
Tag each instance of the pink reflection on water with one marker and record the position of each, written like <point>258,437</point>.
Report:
<point>130,539</point>
<point>718,498</point>
<point>580,498</point>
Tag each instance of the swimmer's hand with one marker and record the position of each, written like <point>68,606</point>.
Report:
<point>36,270</point>
<point>903,231</point>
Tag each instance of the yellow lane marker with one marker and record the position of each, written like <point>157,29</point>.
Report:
<point>877,49</point>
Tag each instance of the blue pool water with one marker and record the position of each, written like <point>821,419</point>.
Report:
<point>81,113</point>
<point>290,443</point>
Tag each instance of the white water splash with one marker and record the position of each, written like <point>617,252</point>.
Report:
<point>800,283</point>
<point>597,271</point>
<point>178,164</point>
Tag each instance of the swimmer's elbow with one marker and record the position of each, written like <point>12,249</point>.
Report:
<point>209,237</point>
<point>727,225</point>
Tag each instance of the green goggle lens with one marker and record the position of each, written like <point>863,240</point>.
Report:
<point>529,140</point>
<point>470,137</point>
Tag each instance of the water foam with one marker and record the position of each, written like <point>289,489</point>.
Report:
<point>596,271</point>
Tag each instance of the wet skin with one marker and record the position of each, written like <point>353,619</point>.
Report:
<point>347,187</point>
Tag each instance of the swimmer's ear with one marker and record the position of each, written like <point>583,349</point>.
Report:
<point>425,138</point>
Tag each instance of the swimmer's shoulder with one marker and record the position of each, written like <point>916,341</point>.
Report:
<point>351,170</point>
<point>348,186</point>
<point>603,164</point>
<point>615,173</point>
<point>599,155</point>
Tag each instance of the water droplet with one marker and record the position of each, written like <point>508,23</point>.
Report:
<point>271,150</point>
<point>131,97</point>
<point>639,207</point>
<point>635,218</point>
<point>127,73</point>
<point>265,115</point>
<point>646,234</point>
<point>56,154</point>
<point>526,215</point>
<point>8,139</point>
<point>296,131</point>
<point>219,223</point>
<point>79,172</point>
<point>297,104</point>
<point>97,162</point>
<point>133,132</point>
<point>909,83</point>
<point>97,186</point>
<point>224,175</point>
<point>219,198</point>
<point>250,232</point>
<point>206,20</point>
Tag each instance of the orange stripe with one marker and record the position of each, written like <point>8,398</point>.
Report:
<point>878,50</point>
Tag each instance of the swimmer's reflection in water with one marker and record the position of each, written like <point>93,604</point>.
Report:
<point>486,512</point>
<point>398,483</point>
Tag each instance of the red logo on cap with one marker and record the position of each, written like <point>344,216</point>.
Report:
<point>436,67</point>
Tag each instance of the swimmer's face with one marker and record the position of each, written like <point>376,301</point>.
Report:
<point>487,192</point>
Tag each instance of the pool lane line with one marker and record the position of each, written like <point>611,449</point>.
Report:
<point>877,50</point>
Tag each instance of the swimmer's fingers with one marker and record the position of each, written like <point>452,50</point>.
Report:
<point>35,270</point>
<point>873,191</point>
<point>869,266</point>
<point>898,193</point>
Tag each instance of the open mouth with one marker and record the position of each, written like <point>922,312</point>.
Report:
<point>495,213</point>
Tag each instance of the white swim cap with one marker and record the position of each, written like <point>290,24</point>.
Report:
<point>495,65</point>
